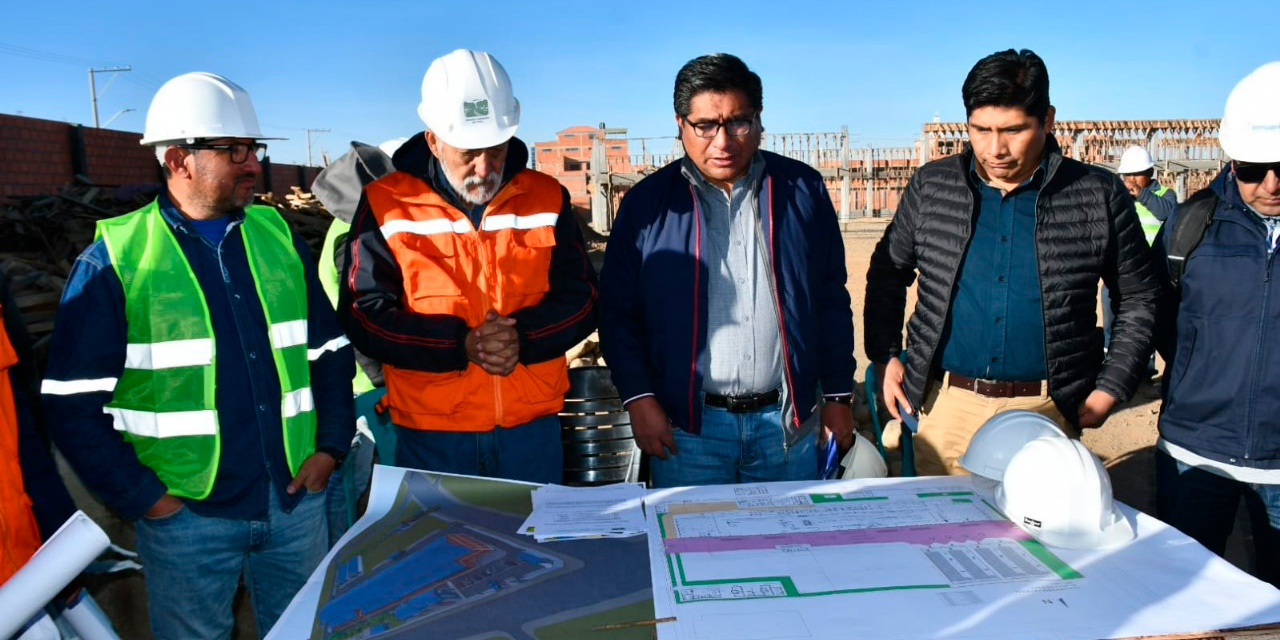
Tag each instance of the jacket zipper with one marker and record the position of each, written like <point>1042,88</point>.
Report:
<point>487,268</point>
<point>1257,354</point>
<point>777,302</point>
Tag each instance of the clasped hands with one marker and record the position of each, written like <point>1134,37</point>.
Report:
<point>494,344</point>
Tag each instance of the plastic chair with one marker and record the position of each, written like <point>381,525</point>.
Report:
<point>595,431</point>
<point>872,386</point>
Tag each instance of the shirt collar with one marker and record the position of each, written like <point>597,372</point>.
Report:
<point>755,171</point>
<point>1034,179</point>
<point>178,220</point>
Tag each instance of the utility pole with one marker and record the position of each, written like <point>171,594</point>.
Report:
<point>93,89</point>
<point>599,175</point>
<point>309,131</point>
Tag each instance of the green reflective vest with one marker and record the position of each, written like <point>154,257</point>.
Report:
<point>163,403</point>
<point>1150,223</point>
<point>329,279</point>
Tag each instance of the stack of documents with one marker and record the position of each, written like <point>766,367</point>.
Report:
<point>574,513</point>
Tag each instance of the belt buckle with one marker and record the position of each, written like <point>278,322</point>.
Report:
<point>990,385</point>
<point>738,404</point>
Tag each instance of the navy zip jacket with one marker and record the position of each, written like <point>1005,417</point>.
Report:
<point>1221,332</point>
<point>653,291</point>
<point>88,345</point>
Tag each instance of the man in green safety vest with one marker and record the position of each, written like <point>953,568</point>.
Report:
<point>198,380</point>
<point>1154,203</point>
<point>1153,200</point>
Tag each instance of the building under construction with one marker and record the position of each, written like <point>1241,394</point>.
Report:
<point>598,164</point>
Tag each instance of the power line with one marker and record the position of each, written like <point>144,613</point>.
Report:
<point>46,56</point>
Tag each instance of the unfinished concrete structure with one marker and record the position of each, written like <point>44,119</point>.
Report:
<point>598,164</point>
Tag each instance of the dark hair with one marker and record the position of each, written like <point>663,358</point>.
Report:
<point>1008,79</point>
<point>718,73</point>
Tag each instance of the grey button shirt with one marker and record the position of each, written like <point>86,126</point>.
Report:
<point>744,348</point>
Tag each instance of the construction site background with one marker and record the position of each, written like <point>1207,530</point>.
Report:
<point>599,164</point>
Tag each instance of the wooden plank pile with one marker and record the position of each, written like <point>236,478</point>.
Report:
<point>41,235</point>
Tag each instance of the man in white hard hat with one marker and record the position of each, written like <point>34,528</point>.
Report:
<point>1220,419</point>
<point>723,314</point>
<point>469,281</point>
<point>198,380</point>
<point>1008,240</point>
<point>1153,202</point>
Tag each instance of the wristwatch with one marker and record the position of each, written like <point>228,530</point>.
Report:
<point>846,399</point>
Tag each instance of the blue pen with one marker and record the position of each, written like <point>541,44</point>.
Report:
<point>827,466</point>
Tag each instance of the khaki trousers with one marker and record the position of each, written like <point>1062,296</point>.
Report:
<point>950,416</point>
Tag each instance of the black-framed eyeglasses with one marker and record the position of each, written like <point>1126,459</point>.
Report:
<point>737,127</point>
<point>237,152</point>
<point>1253,173</point>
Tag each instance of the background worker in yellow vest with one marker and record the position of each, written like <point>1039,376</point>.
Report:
<point>197,377</point>
<point>469,280</point>
<point>1154,203</point>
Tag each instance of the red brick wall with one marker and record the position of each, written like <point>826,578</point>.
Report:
<point>115,157</point>
<point>36,157</point>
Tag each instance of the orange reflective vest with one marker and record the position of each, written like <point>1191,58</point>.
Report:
<point>450,267</point>
<point>19,535</point>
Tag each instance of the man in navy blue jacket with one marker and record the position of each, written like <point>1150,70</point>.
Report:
<point>723,310</point>
<point>1220,420</point>
<point>197,378</point>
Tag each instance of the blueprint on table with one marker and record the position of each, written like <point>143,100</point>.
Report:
<point>919,557</point>
<point>438,556</point>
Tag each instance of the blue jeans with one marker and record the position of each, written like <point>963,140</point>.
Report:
<point>192,565</point>
<point>1203,505</point>
<point>734,448</point>
<point>531,452</point>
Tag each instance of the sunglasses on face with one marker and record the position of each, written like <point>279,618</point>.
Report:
<point>1252,173</point>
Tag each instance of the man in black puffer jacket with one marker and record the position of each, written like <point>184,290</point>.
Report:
<point>1009,239</point>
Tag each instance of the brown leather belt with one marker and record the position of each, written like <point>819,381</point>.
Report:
<point>996,388</point>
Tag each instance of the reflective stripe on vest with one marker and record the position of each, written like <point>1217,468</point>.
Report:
<point>451,267</point>
<point>164,401</point>
<point>1150,223</point>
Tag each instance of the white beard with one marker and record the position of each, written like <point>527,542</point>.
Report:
<point>474,191</point>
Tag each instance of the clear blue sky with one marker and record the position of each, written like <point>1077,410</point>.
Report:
<point>882,68</point>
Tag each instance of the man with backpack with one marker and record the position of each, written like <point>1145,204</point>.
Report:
<point>1218,327</point>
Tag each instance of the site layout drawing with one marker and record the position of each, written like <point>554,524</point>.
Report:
<point>438,556</point>
<point>916,558</point>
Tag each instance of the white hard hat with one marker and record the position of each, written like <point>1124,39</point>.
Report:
<point>467,100</point>
<point>390,147</point>
<point>1136,159</point>
<point>1002,436</point>
<point>1059,492</point>
<point>863,460</point>
<point>1250,129</point>
<point>200,105</point>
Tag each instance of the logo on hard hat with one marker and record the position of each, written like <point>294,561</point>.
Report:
<point>475,110</point>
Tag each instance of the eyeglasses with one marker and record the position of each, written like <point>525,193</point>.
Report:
<point>736,127</point>
<point>1253,173</point>
<point>237,152</point>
